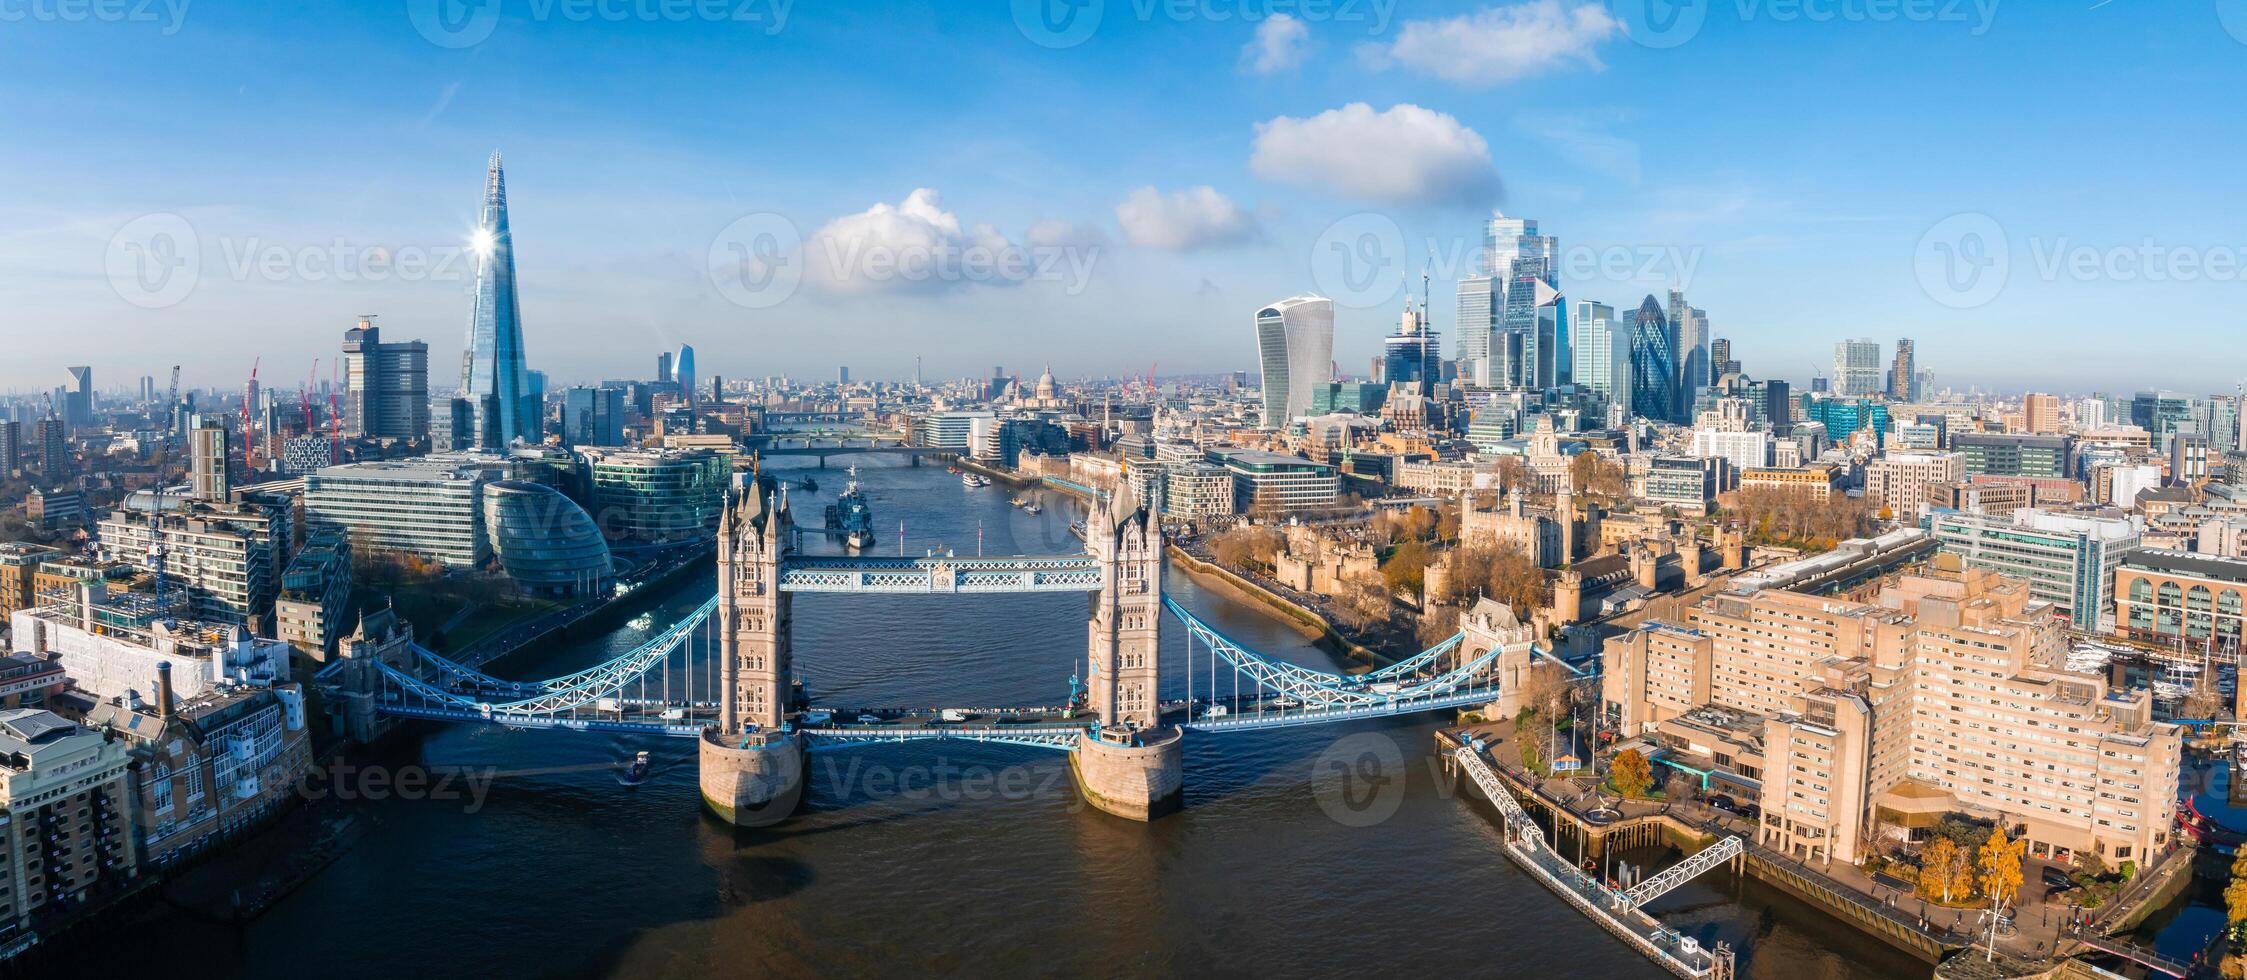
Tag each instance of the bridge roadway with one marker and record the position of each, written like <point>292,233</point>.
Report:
<point>1047,726</point>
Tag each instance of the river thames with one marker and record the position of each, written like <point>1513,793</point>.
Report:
<point>953,858</point>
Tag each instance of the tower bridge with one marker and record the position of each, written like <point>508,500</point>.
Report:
<point>724,673</point>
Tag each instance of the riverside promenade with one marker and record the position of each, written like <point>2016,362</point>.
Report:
<point>1615,910</point>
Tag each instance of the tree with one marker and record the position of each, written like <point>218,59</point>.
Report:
<point>1945,869</point>
<point>2001,862</point>
<point>1632,775</point>
<point>2235,900</point>
<point>1513,473</point>
<point>1406,567</point>
<point>1364,601</point>
<point>1531,759</point>
<point>1437,624</point>
<point>1516,580</point>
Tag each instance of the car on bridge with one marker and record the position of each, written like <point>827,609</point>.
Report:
<point>870,719</point>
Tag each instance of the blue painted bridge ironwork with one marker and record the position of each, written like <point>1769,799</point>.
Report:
<point>669,685</point>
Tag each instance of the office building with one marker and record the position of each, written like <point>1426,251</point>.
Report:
<point>657,494</point>
<point>429,506</point>
<point>1689,330</point>
<point>545,542</point>
<point>78,398</point>
<point>226,555</point>
<point>55,509</point>
<point>68,836</point>
<point>2004,454</point>
<point>1903,373</point>
<point>1193,491</point>
<point>11,447</point>
<point>2181,599</point>
<point>663,368</point>
<point>1897,483</point>
<point>1414,354</point>
<point>2041,413</point>
<point>1691,485</point>
<point>1481,302</point>
<point>2162,413</point>
<point>2067,561</point>
<point>1844,417</point>
<point>1602,356</point>
<point>949,430</point>
<point>685,376</point>
<point>1743,449</point>
<point>2188,457</point>
<point>313,608</point>
<point>1274,484</point>
<point>1653,366</point>
<point>1857,368</point>
<point>50,442</point>
<point>1944,693</point>
<point>19,565</point>
<point>386,386</point>
<point>209,768</point>
<point>207,462</point>
<point>593,416</point>
<point>1295,346</point>
<point>494,377</point>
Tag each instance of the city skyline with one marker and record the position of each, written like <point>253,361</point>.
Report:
<point>1176,230</point>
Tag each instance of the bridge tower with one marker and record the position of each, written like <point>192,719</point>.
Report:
<point>1131,765</point>
<point>752,769</point>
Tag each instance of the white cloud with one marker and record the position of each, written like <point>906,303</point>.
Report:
<point>1197,217</point>
<point>1500,44</point>
<point>1281,44</point>
<point>1402,155</point>
<point>915,245</point>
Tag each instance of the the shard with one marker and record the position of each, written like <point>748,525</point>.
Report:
<point>493,378</point>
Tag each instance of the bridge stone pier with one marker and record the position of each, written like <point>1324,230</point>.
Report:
<point>1127,762</point>
<point>1130,765</point>
<point>752,767</point>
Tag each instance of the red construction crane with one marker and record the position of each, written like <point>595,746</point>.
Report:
<point>335,420</point>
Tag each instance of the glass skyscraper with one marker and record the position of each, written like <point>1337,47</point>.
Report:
<point>1654,371</point>
<point>1295,346</point>
<point>1414,353</point>
<point>1478,318</point>
<point>1594,332</point>
<point>493,377</point>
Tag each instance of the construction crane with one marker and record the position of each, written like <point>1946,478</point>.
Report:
<point>335,421</point>
<point>158,554</point>
<point>305,396</point>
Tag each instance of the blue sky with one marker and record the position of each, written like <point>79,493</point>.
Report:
<point>1181,165</point>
